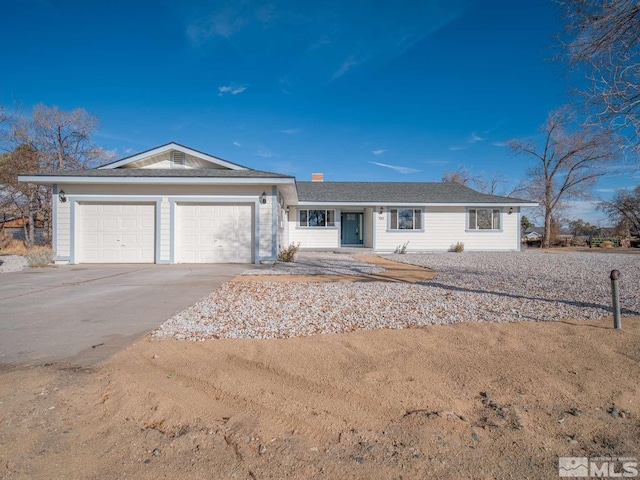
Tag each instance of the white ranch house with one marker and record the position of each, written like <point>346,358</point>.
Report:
<point>173,204</point>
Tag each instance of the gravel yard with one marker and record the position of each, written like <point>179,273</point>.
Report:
<point>12,263</point>
<point>317,263</point>
<point>480,287</point>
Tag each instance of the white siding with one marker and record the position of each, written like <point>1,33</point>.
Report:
<point>63,230</point>
<point>165,230</point>
<point>444,227</point>
<point>313,237</point>
<point>368,218</point>
<point>283,230</point>
<point>265,217</point>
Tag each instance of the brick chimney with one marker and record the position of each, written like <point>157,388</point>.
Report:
<point>317,177</point>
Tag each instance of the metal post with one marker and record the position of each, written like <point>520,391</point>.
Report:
<point>615,299</point>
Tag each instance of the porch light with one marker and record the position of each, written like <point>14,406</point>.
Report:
<point>510,210</point>
<point>61,196</point>
<point>263,198</point>
<point>381,210</point>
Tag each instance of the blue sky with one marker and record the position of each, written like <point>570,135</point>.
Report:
<point>361,90</point>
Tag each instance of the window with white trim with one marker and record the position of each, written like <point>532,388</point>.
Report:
<point>484,219</point>
<point>405,219</point>
<point>317,218</point>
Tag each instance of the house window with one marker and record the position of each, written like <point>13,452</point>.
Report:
<point>484,219</point>
<point>317,218</point>
<point>405,219</point>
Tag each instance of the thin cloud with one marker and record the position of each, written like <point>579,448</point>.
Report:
<point>264,152</point>
<point>228,20</point>
<point>237,144</point>
<point>380,151</point>
<point>475,138</point>
<point>347,65</point>
<point>500,144</point>
<point>232,89</point>
<point>397,168</point>
<point>291,131</point>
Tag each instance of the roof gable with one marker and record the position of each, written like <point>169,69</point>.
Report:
<point>159,158</point>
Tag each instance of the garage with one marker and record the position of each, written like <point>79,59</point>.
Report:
<point>116,232</point>
<point>214,233</point>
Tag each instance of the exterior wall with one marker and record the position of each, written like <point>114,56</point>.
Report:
<point>310,238</point>
<point>283,230</point>
<point>166,197</point>
<point>368,219</point>
<point>62,231</point>
<point>444,227</point>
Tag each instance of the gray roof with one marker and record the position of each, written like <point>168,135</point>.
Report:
<point>165,173</point>
<point>396,192</point>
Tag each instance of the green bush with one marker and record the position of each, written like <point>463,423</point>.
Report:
<point>288,254</point>
<point>458,247</point>
<point>40,257</point>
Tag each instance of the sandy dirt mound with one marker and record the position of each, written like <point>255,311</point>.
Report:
<point>460,401</point>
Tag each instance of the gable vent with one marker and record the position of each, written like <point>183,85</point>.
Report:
<point>177,159</point>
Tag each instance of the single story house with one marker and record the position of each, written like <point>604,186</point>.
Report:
<point>174,204</point>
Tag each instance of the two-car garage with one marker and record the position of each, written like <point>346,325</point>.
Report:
<point>200,232</point>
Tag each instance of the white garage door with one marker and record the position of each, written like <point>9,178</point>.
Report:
<point>116,233</point>
<point>208,233</point>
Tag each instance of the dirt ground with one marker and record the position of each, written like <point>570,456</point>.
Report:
<point>463,401</point>
<point>394,272</point>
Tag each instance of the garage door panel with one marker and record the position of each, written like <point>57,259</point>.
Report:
<point>214,233</point>
<point>116,233</point>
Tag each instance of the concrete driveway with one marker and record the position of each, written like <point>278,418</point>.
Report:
<point>85,313</point>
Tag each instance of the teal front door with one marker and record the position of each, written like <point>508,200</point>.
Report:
<point>351,228</point>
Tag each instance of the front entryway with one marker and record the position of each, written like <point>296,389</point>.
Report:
<point>351,228</point>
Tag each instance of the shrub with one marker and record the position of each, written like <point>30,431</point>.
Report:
<point>401,249</point>
<point>288,254</point>
<point>5,239</point>
<point>458,247</point>
<point>13,246</point>
<point>40,257</point>
<point>606,244</point>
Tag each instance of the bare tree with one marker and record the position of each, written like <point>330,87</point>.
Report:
<point>497,184</point>
<point>61,138</point>
<point>49,139</point>
<point>23,200</point>
<point>603,43</point>
<point>566,163</point>
<point>462,176</point>
<point>624,209</point>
